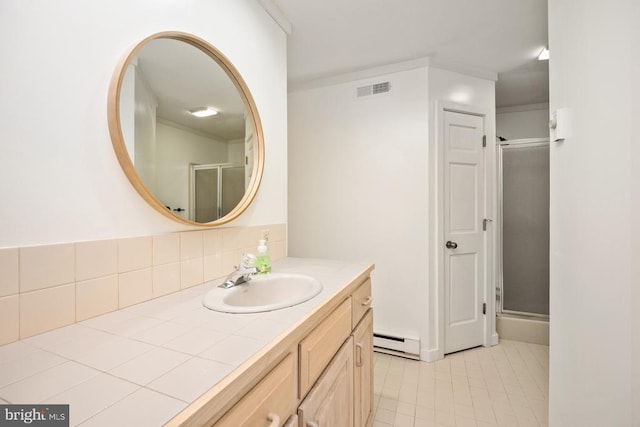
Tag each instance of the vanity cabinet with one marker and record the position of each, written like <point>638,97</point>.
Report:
<point>330,402</point>
<point>270,403</point>
<point>343,394</point>
<point>317,375</point>
<point>363,371</point>
<point>320,346</point>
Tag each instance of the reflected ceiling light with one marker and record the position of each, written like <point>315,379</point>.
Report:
<point>203,112</point>
<point>544,55</point>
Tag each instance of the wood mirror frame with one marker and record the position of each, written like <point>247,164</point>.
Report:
<point>119,146</point>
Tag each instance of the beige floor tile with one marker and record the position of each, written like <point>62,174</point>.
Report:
<point>402,420</point>
<point>384,415</point>
<point>505,385</point>
<point>406,409</point>
<point>425,414</point>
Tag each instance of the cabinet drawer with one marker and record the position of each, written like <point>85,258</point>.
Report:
<point>319,347</point>
<point>361,301</point>
<point>330,401</point>
<point>275,394</point>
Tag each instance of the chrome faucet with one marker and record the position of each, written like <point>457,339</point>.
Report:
<point>243,271</point>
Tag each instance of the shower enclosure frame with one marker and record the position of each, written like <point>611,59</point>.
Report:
<point>526,142</point>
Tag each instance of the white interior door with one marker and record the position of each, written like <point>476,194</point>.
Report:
<point>463,231</point>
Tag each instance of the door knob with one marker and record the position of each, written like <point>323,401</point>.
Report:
<point>451,245</point>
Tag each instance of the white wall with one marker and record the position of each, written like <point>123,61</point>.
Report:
<point>359,183</point>
<point>524,121</point>
<point>358,187</point>
<point>595,221</point>
<point>59,178</point>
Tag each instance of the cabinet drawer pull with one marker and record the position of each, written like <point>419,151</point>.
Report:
<point>358,355</point>
<point>312,424</point>
<point>367,301</point>
<point>274,419</point>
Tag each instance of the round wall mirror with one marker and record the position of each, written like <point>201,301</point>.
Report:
<point>185,129</point>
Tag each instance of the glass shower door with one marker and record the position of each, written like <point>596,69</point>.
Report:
<point>215,190</point>
<point>524,167</point>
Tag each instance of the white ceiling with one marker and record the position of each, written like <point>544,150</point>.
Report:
<point>182,77</point>
<point>480,37</point>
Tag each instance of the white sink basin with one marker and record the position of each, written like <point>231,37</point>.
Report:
<point>263,293</point>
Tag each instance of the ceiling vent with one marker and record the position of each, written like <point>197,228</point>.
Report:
<point>374,89</point>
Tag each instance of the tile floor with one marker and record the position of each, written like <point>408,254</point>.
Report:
<point>504,385</point>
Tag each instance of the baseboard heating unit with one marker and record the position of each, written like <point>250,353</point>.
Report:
<point>397,346</point>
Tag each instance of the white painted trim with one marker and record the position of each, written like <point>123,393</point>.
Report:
<point>430,355</point>
<point>520,108</point>
<point>374,71</point>
<point>305,84</point>
<point>276,14</point>
<point>463,69</point>
<point>436,206</point>
<point>495,339</point>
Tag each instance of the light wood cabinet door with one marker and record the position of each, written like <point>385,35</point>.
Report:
<point>360,302</point>
<point>319,347</point>
<point>330,401</point>
<point>363,371</point>
<point>269,403</point>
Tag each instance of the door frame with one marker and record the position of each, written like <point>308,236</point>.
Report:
<point>436,264</point>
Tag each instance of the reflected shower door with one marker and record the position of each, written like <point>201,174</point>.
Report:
<point>206,195</point>
<point>232,187</point>
<point>525,227</point>
<point>215,190</point>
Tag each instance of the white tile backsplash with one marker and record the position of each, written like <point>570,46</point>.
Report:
<point>46,266</point>
<point>166,249</point>
<point>96,259</point>
<point>9,319</point>
<point>81,277</point>
<point>47,309</point>
<point>135,253</point>
<point>9,271</point>
<point>96,296</point>
<point>135,287</point>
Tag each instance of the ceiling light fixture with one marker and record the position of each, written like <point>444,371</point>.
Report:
<point>203,112</point>
<point>544,55</point>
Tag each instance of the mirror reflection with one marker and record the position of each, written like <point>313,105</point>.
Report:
<point>187,130</point>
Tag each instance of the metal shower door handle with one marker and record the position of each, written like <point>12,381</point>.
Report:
<point>451,245</point>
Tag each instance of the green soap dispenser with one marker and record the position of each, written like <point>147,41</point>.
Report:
<point>263,262</point>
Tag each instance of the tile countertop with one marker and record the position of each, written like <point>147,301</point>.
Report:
<point>144,364</point>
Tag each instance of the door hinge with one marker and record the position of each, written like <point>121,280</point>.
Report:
<point>484,308</point>
<point>484,141</point>
<point>485,222</point>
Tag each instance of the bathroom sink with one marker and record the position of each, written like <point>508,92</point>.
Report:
<point>263,293</point>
